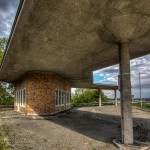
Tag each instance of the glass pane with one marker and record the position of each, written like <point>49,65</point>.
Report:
<point>62,100</point>
<point>59,97</point>
<point>68,98</point>
<point>16,97</point>
<point>24,102</point>
<point>21,97</point>
<point>64,97</point>
<point>56,97</point>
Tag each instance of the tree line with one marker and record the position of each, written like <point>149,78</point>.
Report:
<point>6,89</point>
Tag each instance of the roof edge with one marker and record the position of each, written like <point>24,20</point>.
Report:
<point>12,31</point>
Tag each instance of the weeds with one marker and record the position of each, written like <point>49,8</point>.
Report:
<point>3,140</point>
<point>141,133</point>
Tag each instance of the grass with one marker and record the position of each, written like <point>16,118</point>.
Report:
<point>5,109</point>
<point>91,104</point>
<point>3,144</point>
<point>144,105</point>
<point>4,135</point>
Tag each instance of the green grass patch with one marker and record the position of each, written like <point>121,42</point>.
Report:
<point>5,134</point>
<point>5,109</point>
<point>3,144</point>
<point>91,104</point>
<point>144,105</point>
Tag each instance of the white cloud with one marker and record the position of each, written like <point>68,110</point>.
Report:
<point>141,65</point>
<point>8,10</point>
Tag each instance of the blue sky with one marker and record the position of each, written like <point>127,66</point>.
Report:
<point>108,75</point>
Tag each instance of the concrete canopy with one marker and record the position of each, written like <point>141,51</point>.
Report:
<point>71,38</point>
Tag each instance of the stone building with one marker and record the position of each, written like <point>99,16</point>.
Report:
<point>41,93</point>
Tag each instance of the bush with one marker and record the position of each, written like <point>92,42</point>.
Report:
<point>87,96</point>
<point>7,101</point>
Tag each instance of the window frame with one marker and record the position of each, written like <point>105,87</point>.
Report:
<point>62,98</point>
<point>20,97</point>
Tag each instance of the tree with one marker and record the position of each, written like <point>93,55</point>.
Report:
<point>3,43</point>
<point>87,95</point>
<point>6,89</point>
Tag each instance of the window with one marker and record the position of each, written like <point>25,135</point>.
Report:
<point>62,97</point>
<point>68,98</point>
<point>15,98</point>
<point>20,97</point>
<point>56,97</point>
<point>24,102</point>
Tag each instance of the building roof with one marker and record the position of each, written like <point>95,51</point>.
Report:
<point>73,38</point>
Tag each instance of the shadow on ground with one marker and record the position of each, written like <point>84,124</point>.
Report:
<point>101,127</point>
<point>90,125</point>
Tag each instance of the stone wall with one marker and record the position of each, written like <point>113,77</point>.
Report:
<point>40,92</point>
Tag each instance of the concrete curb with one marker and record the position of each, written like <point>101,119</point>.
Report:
<point>136,146</point>
<point>116,143</point>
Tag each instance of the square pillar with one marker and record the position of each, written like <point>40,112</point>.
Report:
<point>116,101</point>
<point>125,91</point>
<point>100,99</point>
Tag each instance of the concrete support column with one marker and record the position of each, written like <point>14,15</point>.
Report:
<point>125,89</point>
<point>100,99</point>
<point>116,101</point>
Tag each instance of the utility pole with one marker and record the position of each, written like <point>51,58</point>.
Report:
<point>140,88</point>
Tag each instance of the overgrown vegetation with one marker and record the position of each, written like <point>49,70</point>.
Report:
<point>3,42</point>
<point>6,108</point>
<point>6,89</point>
<point>4,132</point>
<point>87,96</point>
<point>4,145</point>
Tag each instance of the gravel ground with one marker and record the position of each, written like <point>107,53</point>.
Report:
<point>80,129</point>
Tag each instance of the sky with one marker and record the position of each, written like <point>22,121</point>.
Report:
<point>108,75</point>
<point>8,10</point>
